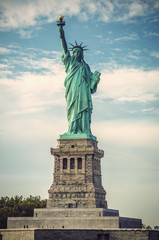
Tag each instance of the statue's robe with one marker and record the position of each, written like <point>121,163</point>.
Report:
<point>79,83</point>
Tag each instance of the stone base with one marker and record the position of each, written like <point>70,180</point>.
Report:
<point>76,196</point>
<point>74,219</point>
<point>77,181</point>
<point>63,234</point>
<point>76,212</point>
<point>67,223</point>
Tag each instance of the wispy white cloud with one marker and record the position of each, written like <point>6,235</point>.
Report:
<point>116,49</point>
<point>28,89</point>
<point>40,84</point>
<point>136,51</point>
<point>22,14</point>
<point>155,54</point>
<point>30,13</point>
<point>148,109</point>
<point>32,92</point>
<point>98,52</point>
<point>28,59</point>
<point>154,34</point>
<point>133,36</point>
<point>4,50</point>
<point>98,36</point>
<point>130,85</point>
<point>125,133</point>
<point>134,9</point>
<point>4,66</point>
<point>133,56</point>
<point>5,73</point>
<point>27,33</point>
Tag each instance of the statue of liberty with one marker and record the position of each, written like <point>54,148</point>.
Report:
<point>80,83</point>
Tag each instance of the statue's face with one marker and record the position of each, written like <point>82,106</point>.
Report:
<point>77,53</point>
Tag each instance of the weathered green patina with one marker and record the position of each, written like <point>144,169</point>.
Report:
<point>80,83</point>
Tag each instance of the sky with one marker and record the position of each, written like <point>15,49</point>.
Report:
<point>123,42</point>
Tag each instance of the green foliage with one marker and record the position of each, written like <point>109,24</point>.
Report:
<point>148,227</point>
<point>144,226</point>
<point>18,207</point>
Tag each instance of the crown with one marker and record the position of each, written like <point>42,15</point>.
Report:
<point>83,48</point>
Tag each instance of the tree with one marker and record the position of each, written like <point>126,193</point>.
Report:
<point>146,227</point>
<point>18,207</point>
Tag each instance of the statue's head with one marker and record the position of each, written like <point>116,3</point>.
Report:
<point>78,54</point>
<point>78,51</point>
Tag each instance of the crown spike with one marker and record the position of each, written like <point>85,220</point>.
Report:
<point>77,46</point>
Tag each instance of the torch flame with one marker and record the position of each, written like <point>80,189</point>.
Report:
<point>61,18</point>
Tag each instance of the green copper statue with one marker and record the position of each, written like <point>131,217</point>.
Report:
<point>80,83</point>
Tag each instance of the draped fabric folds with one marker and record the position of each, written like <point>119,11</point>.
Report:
<point>79,84</point>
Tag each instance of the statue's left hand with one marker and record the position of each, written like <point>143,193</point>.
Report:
<point>96,76</point>
<point>95,80</point>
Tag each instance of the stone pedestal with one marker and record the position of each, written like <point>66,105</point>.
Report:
<point>76,196</point>
<point>77,181</point>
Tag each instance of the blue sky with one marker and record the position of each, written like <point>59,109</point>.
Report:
<point>123,41</point>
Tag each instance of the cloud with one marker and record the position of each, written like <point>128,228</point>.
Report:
<point>133,10</point>
<point>27,33</point>
<point>155,54</point>
<point>154,34</point>
<point>4,50</point>
<point>31,84</point>
<point>133,36</point>
<point>133,56</point>
<point>128,134</point>
<point>38,83</point>
<point>19,14</point>
<point>148,109</point>
<point>24,14</point>
<point>129,85</point>
<point>116,49</point>
<point>5,73</point>
<point>32,92</point>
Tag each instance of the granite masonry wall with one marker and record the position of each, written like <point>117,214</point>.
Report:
<point>63,234</point>
<point>77,181</point>
<point>17,234</point>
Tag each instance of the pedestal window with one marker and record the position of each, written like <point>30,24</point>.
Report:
<point>79,161</point>
<point>64,163</point>
<point>70,205</point>
<point>72,163</point>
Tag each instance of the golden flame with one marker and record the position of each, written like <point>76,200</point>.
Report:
<point>61,18</point>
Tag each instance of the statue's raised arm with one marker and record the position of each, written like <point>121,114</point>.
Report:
<point>60,25</point>
<point>80,83</point>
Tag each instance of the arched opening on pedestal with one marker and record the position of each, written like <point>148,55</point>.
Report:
<point>79,163</point>
<point>64,163</point>
<point>72,163</point>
